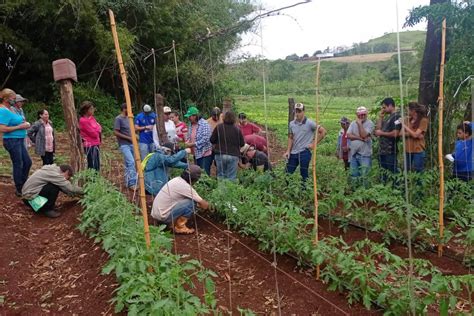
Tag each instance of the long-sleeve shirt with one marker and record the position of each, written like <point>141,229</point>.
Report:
<point>202,139</point>
<point>156,168</point>
<point>227,139</point>
<point>90,131</point>
<point>463,158</point>
<point>48,174</point>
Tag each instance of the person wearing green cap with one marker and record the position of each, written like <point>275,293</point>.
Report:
<point>199,134</point>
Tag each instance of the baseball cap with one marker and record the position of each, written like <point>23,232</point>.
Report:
<point>19,98</point>
<point>192,110</point>
<point>146,108</point>
<point>361,110</point>
<point>166,109</point>
<point>299,106</point>
<point>344,120</point>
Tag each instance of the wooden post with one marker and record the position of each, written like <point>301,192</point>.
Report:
<point>226,106</point>
<point>160,123</point>
<point>136,153</point>
<point>291,109</point>
<point>440,139</point>
<point>315,182</point>
<point>64,72</point>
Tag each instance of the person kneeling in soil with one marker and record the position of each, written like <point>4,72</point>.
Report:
<point>156,164</point>
<point>41,190</point>
<point>254,158</point>
<point>176,201</point>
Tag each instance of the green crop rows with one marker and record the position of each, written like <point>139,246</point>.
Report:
<point>365,271</point>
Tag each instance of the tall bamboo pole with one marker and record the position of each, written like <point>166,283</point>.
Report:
<point>136,154</point>
<point>440,139</point>
<point>315,183</point>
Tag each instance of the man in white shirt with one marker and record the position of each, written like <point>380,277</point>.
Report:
<point>170,128</point>
<point>175,203</point>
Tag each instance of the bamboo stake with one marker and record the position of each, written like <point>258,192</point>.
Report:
<point>138,162</point>
<point>315,184</point>
<point>440,138</point>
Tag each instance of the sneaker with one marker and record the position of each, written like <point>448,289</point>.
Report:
<point>52,214</point>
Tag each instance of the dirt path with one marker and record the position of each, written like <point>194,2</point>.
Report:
<point>46,265</point>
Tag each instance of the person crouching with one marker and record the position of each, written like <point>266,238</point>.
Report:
<point>177,199</point>
<point>41,190</point>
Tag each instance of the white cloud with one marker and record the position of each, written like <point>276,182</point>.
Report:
<point>322,23</point>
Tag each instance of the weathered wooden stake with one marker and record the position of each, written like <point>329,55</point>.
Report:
<point>160,123</point>
<point>315,179</point>
<point>64,72</point>
<point>291,110</point>
<point>226,106</point>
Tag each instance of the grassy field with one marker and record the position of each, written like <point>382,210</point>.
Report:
<point>331,110</point>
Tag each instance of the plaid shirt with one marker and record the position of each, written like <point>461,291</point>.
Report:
<point>202,141</point>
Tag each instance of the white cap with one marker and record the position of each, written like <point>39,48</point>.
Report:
<point>361,110</point>
<point>146,108</point>
<point>299,106</point>
<point>166,109</point>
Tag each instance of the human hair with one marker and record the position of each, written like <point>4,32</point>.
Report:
<point>242,116</point>
<point>85,107</point>
<point>67,168</point>
<point>420,110</point>
<point>41,112</point>
<point>175,113</point>
<point>466,128</point>
<point>229,118</point>
<point>123,106</point>
<point>6,93</point>
<point>387,102</point>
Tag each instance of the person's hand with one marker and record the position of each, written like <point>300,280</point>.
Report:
<point>377,132</point>
<point>149,127</point>
<point>286,155</point>
<point>189,144</point>
<point>188,150</point>
<point>25,125</point>
<point>382,113</point>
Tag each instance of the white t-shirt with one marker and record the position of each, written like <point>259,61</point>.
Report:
<point>170,131</point>
<point>175,191</point>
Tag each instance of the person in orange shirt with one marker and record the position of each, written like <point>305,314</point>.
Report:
<point>414,128</point>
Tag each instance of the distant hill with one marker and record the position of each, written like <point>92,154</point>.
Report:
<point>387,43</point>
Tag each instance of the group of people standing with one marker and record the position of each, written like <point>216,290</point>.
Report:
<point>355,142</point>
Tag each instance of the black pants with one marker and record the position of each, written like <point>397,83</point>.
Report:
<point>48,158</point>
<point>93,157</point>
<point>51,192</point>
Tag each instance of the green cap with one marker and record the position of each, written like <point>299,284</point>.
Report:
<point>192,110</point>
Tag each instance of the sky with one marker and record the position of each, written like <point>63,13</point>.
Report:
<point>321,23</point>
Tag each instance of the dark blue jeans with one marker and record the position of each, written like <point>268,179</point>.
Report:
<point>93,157</point>
<point>184,208</point>
<point>415,161</point>
<point>21,161</point>
<point>388,164</point>
<point>302,159</point>
<point>205,163</point>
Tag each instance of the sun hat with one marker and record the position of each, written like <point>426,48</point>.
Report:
<point>192,110</point>
<point>146,108</point>
<point>19,98</point>
<point>244,149</point>
<point>361,110</point>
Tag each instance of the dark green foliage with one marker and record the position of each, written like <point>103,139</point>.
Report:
<point>164,290</point>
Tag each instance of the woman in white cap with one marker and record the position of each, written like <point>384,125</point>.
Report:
<point>13,126</point>
<point>360,154</point>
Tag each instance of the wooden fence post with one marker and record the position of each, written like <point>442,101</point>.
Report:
<point>291,111</point>
<point>160,123</point>
<point>226,106</point>
<point>64,72</point>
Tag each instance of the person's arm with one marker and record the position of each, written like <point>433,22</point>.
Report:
<point>289,146</point>
<point>203,204</point>
<point>32,131</point>
<point>418,133</point>
<point>65,186</point>
<point>8,129</point>
<point>378,124</point>
<point>214,136</point>
<point>173,160</point>
<point>120,135</point>
<point>362,132</point>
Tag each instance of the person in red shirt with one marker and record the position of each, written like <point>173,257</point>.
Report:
<point>91,134</point>
<point>181,127</point>
<point>247,128</point>
<point>259,142</point>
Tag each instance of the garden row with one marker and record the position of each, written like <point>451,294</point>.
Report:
<point>383,209</point>
<point>151,281</point>
<point>366,271</point>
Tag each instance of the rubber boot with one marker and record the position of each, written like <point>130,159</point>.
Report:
<point>180,226</point>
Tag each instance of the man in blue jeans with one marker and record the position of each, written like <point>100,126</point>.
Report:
<point>301,141</point>
<point>388,129</point>
<point>124,139</point>
<point>360,154</point>
<point>175,203</point>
